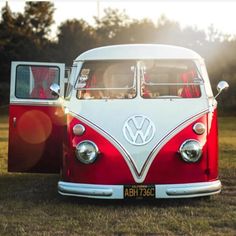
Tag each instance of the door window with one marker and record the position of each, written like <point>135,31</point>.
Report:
<point>33,82</point>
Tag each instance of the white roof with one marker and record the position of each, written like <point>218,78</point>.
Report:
<point>138,51</point>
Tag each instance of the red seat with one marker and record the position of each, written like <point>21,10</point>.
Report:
<point>189,91</point>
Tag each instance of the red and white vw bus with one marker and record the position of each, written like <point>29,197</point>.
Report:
<point>136,121</point>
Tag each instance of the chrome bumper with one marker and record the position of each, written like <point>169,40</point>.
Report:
<point>161,191</point>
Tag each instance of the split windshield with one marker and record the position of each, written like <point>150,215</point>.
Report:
<point>150,79</point>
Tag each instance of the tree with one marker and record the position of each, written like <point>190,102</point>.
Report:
<point>7,29</point>
<point>139,31</point>
<point>7,21</point>
<point>38,20</point>
<point>27,32</point>
<point>109,27</point>
<point>74,37</point>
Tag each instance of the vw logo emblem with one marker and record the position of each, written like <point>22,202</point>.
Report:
<point>139,130</point>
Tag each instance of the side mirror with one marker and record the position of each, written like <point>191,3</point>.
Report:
<point>222,85</point>
<point>55,89</point>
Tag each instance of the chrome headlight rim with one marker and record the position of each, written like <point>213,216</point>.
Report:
<point>185,157</point>
<point>79,155</point>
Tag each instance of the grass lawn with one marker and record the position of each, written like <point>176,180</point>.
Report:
<point>30,204</point>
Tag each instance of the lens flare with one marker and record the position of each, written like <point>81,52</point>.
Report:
<point>34,127</point>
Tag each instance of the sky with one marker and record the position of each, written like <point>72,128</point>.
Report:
<point>199,13</point>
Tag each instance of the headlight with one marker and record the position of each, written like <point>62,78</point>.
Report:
<point>86,152</point>
<point>191,151</point>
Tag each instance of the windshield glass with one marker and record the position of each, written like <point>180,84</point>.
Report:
<point>157,79</point>
<point>107,79</point>
<point>169,78</point>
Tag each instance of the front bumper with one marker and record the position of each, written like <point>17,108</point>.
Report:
<point>161,190</point>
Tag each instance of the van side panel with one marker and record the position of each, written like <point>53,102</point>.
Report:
<point>35,138</point>
<point>213,147</point>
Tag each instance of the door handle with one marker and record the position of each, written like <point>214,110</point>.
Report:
<point>14,121</point>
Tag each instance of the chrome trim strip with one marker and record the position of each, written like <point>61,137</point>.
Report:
<point>161,190</point>
<point>36,103</point>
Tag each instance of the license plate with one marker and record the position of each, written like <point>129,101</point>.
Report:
<point>139,191</point>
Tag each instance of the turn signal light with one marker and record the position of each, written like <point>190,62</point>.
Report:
<point>199,128</point>
<point>78,129</point>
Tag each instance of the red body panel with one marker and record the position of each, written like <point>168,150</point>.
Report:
<point>212,144</point>
<point>167,167</point>
<point>110,168</point>
<point>35,138</point>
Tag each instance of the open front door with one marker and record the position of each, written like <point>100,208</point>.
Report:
<point>36,118</point>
